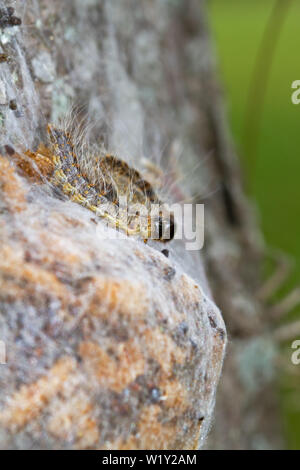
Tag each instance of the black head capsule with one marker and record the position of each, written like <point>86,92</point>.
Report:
<point>164,228</point>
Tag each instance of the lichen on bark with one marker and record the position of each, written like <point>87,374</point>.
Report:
<point>74,306</point>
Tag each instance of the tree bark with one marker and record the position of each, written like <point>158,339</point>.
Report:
<point>145,73</point>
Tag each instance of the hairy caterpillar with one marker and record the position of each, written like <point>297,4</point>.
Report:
<point>113,180</point>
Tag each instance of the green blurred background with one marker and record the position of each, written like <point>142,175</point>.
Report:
<point>272,169</point>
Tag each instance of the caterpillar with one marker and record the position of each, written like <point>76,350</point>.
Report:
<point>113,181</point>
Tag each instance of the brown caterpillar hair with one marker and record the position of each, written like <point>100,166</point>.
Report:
<point>113,178</point>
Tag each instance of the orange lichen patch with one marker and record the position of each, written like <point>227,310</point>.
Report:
<point>11,189</point>
<point>12,265</point>
<point>36,164</point>
<point>111,373</point>
<point>192,443</point>
<point>190,291</point>
<point>163,349</point>
<point>123,296</point>
<point>153,434</point>
<point>54,248</point>
<point>26,404</point>
<point>10,291</point>
<point>60,249</point>
<point>71,420</point>
<point>174,395</point>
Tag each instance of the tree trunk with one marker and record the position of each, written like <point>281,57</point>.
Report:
<point>143,73</point>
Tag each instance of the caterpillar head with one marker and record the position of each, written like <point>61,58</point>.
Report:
<point>164,227</point>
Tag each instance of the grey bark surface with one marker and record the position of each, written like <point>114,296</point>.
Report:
<point>145,72</point>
